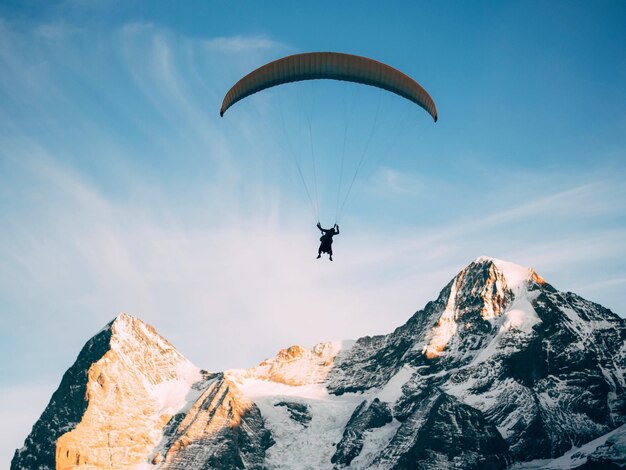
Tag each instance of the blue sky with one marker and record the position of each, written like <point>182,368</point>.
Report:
<point>121,188</point>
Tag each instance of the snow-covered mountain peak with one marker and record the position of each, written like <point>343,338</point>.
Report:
<point>487,283</point>
<point>131,337</point>
<point>488,291</point>
<point>126,327</point>
<point>297,365</point>
<point>516,276</point>
<point>157,382</point>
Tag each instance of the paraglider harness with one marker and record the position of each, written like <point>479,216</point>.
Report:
<point>327,240</point>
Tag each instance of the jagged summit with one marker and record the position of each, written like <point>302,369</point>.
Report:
<point>297,365</point>
<point>122,318</point>
<point>516,276</point>
<point>488,294</point>
<point>127,329</point>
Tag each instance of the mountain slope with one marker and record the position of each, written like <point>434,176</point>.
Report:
<point>131,398</point>
<point>65,409</point>
<point>500,368</point>
<point>546,368</point>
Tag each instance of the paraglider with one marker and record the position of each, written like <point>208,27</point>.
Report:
<point>331,66</point>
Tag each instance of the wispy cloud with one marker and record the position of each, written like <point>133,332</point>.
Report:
<point>242,44</point>
<point>388,180</point>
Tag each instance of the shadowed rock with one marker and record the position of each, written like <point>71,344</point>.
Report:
<point>364,418</point>
<point>65,409</point>
<point>297,411</point>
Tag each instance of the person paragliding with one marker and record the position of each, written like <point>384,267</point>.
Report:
<point>326,240</point>
<point>329,66</point>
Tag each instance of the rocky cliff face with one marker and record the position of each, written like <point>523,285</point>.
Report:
<point>132,400</point>
<point>66,408</point>
<point>500,369</point>
<point>545,368</point>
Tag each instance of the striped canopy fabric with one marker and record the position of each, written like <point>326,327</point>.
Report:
<point>333,66</point>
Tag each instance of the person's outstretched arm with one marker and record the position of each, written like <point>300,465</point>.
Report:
<point>337,229</point>
<point>320,227</point>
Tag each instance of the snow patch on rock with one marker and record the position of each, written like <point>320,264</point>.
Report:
<point>516,276</point>
<point>298,365</point>
<point>521,315</point>
<point>392,390</point>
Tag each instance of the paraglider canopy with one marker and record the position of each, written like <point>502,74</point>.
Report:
<point>315,66</point>
<point>333,66</point>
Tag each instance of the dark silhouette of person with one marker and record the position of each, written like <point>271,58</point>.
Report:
<point>326,245</point>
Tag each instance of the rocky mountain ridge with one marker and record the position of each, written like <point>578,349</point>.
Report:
<point>499,370</point>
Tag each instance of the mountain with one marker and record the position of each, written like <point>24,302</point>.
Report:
<point>501,370</point>
<point>131,399</point>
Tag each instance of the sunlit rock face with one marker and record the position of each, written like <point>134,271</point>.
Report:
<point>501,368</point>
<point>449,331</point>
<point>132,392</point>
<point>297,365</point>
<point>131,399</point>
<point>222,429</point>
<point>65,409</point>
